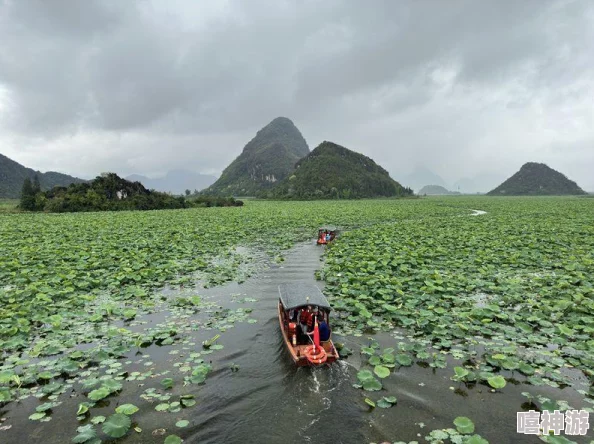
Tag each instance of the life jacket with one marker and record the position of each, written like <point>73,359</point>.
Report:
<point>304,317</point>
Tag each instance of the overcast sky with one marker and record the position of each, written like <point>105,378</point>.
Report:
<point>461,87</point>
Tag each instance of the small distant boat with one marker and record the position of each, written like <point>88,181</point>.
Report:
<point>326,235</point>
<point>304,350</point>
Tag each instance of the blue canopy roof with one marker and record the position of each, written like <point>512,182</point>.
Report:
<point>299,294</point>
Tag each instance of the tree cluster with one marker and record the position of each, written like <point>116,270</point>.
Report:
<point>109,192</point>
<point>215,201</point>
<point>29,194</point>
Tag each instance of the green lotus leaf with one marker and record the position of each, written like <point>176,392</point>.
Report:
<point>6,376</point>
<point>404,360</point>
<point>172,439</point>
<point>564,329</point>
<point>45,375</point>
<point>52,387</point>
<point>388,358</point>
<point>381,371</point>
<point>98,419</point>
<point>383,404</point>
<point>129,313</point>
<point>375,360</point>
<point>162,407</point>
<point>497,382</point>
<point>367,350</point>
<point>526,369</point>
<point>127,409</point>
<point>188,402</point>
<point>85,434</point>
<point>475,439</point>
<point>37,416</point>
<point>45,407</point>
<point>5,395</point>
<point>461,373</point>
<point>83,408</point>
<point>510,364</point>
<point>372,385</point>
<point>112,385</point>
<point>464,425</point>
<point>364,375</point>
<point>117,425</point>
<point>100,393</point>
<point>439,435</point>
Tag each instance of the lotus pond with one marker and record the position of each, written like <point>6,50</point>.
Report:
<point>130,327</point>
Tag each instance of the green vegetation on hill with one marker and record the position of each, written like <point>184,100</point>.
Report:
<point>436,190</point>
<point>107,192</point>
<point>334,172</point>
<point>213,201</point>
<point>537,179</point>
<point>267,159</point>
<point>13,174</point>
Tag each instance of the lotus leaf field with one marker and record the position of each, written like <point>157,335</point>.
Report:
<point>500,297</point>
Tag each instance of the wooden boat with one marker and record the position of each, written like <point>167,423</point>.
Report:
<point>294,298</point>
<point>323,231</point>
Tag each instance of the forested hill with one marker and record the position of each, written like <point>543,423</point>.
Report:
<point>107,192</point>
<point>333,171</point>
<point>13,174</point>
<point>537,179</point>
<point>267,159</point>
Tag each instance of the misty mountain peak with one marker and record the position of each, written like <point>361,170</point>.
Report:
<point>537,179</point>
<point>268,158</point>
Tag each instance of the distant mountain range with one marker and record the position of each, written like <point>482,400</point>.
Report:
<point>13,174</point>
<point>333,171</point>
<point>266,160</point>
<point>478,183</point>
<point>175,181</point>
<point>435,190</point>
<point>537,179</point>
<point>422,176</point>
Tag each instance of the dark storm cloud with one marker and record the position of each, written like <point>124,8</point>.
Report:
<point>146,86</point>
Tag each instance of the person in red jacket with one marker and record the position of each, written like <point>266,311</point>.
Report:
<point>304,318</point>
<point>314,315</point>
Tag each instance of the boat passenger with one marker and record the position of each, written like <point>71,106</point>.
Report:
<point>315,314</point>
<point>327,237</point>
<point>324,331</point>
<point>303,318</point>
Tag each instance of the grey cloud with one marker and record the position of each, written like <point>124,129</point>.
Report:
<point>441,83</point>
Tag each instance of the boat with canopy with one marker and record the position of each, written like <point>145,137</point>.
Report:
<point>326,235</point>
<point>304,318</point>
